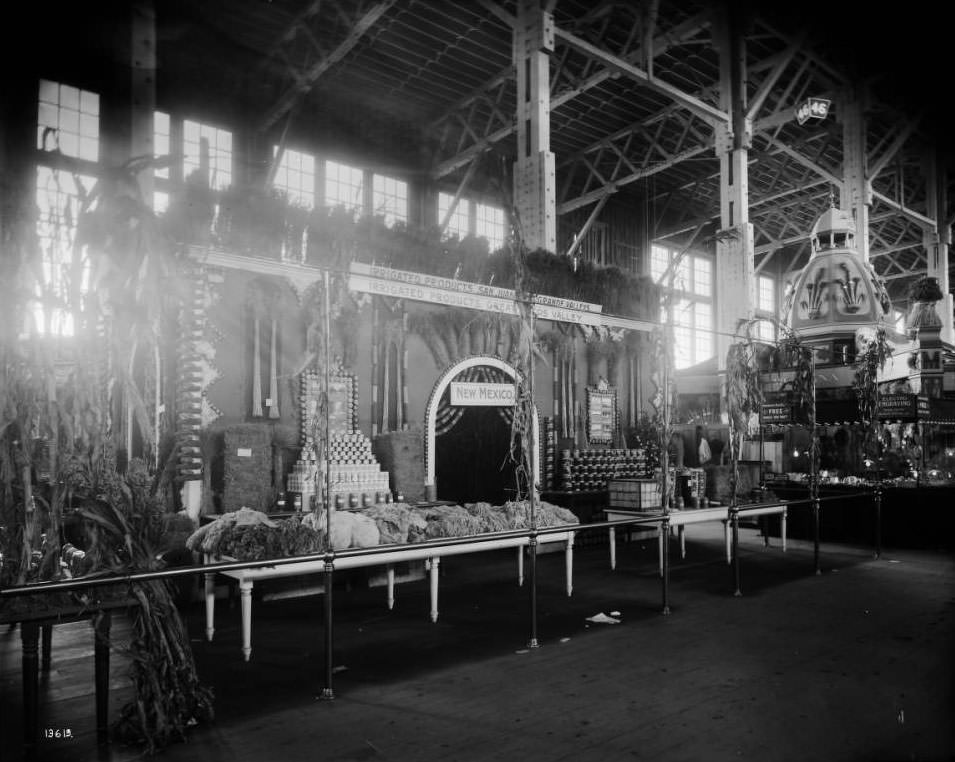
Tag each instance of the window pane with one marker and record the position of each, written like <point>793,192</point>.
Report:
<point>702,276</point>
<point>161,139</point>
<point>458,224</point>
<point>196,138</point>
<point>58,202</point>
<point>681,275</point>
<point>489,224</point>
<point>390,199</point>
<point>766,296</point>
<point>343,186</point>
<point>703,339</point>
<point>659,260</point>
<point>766,331</point>
<point>73,115</point>
<point>295,176</point>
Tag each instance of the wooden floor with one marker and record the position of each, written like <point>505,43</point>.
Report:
<point>855,664</point>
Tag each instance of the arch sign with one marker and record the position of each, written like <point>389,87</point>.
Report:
<point>469,393</point>
<point>483,394</point>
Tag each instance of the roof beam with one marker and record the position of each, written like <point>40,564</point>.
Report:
<point>579,238</point>
<point>783,242</point>
<point>805,161</point>
<point>766,86</point>
<point>613,187</point>
<point>710,113</point>
<point>894,249</point>
<point>877,165</point>
<point>917,217</point>
<point>496,10</point>
<point>661,44</point>
<point>307,80</point>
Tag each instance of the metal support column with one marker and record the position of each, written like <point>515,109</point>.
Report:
<point>328,692</point>
<point>734,517</point>
<point>877,499</point>
<point>938,241</point>
<point>856,191</point>
<point>532,573</point>
<point>665,558</point>
<point>535,184</point>
<point>735,270</point>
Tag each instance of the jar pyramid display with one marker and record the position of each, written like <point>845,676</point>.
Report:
<point>356,479</point>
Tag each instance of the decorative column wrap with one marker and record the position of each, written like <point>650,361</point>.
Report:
<point>403,389</point>
<point>375,349</point>
<point>190,380</point>
<point>273,373</point>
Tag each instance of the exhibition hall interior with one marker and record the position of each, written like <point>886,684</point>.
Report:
<point>476,380</point>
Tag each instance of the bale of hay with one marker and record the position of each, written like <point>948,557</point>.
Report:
<point>492,518</point>
<point>446,521</point>
<point>393,521</point>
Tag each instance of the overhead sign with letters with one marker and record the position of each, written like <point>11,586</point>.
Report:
<point>485,394</point>
<point>812,108</point>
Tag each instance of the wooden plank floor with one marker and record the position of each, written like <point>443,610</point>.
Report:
<point>855,664</point>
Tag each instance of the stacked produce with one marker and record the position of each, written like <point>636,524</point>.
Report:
<point>355,477</point>
<point>592,469</point>
<point>249,535</point>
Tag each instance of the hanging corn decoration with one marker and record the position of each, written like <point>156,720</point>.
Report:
<point>404,373</point>
<point>273,373</point>
<point>256,367</point>
<point>375,362</point>
<point>189,383</point>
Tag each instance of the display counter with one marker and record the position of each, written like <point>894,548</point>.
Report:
<point>912,516</point>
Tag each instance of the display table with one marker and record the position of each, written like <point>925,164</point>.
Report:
<point>586,505</point>
<point>914,517</point>
<point>31,623</point>
<point>431,556</point>
<point>681,517</point>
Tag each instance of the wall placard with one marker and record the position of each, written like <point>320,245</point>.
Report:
<point>601,413</point>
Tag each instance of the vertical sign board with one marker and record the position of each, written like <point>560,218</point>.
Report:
<point>601,414</point>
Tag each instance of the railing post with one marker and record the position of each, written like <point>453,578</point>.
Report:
<point>665,556</point>
<point>877,497</point>
<point>734,517</point>
<point>327,692</point>
<point>532,573</point>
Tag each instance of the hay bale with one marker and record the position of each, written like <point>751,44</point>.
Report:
<point>492,518</point>
<point>393,521</point>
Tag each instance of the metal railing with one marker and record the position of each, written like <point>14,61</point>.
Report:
<point>328,558</point>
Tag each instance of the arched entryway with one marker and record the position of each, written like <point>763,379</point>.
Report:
<point>474,441</point>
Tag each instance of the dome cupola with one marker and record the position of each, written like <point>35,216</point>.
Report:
<point>837,292</point>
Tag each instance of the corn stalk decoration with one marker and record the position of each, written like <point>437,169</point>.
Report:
<point>743,392</point>
<point>98,265</point>
<point>865,383</point>
<point>663,399</point>
<point>524,351</point>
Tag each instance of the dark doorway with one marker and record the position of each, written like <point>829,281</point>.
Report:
<point>471,458</point>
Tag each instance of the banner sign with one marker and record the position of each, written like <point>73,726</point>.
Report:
<point>402,284</point>
<point>485,394</point>
<point>902,406</point>
<point>775,412</point>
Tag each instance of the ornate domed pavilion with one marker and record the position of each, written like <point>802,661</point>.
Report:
<point>838,292</point>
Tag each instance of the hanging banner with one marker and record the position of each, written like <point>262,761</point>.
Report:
<point>402,284</point>
<point>483,394</point>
